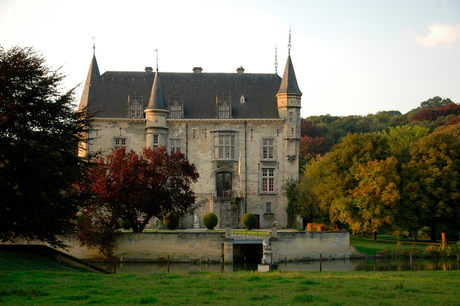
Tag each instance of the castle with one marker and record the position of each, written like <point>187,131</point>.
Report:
<point>241,130</point>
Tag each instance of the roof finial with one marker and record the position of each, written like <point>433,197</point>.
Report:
<point>276,59</point>
<point>94,45</point>
<point>156,50</point>
<point>289,44</point>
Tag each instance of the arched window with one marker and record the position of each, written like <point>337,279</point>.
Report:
<point>224,184</point>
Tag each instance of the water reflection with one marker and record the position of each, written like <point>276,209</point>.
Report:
<point>327,265</point>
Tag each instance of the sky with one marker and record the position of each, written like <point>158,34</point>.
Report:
<point>351,57</point>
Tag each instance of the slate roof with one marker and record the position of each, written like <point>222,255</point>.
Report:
<point>157,99</point>
<point>93,75</point>
<point>289,83</point>
<point>109,93</point>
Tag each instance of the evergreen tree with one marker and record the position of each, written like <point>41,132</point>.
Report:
<point>39,137</point>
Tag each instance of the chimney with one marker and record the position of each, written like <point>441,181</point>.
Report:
<point>240,70</point>
<point>148,69</point>
<point>197,69</point>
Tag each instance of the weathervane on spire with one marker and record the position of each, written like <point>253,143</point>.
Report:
<point>289,44</point>
<point>276,59</point>
<point>94,45</point>
<point>156,50</point>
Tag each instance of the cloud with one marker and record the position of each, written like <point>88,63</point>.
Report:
<point>442,34</point>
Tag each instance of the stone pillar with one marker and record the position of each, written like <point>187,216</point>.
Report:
<point>274,242</point>
<point>228,245</point>
<point>228,250</point>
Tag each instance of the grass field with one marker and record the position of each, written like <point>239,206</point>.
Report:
<point>33,280</point>
<point>388,243</point>
<point>241,288</point>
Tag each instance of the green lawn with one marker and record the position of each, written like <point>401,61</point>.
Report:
<point>388,243</point>
<point>238,288</point>
<point>35,280</point>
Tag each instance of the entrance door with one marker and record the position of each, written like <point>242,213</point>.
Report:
<point>258,221</point>
<point>224,184</point>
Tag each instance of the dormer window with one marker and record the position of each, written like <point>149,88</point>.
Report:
<point>136,106</point>
<point>175,108</point>
<point>224,107</point>
<point>224,111</point>
<point>242,99</point>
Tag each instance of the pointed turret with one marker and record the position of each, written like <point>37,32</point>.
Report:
<point>289,104</point>
<point>289,82</point>
<point>156,113</point>
<point>157,99</point>
<point>93,75</point>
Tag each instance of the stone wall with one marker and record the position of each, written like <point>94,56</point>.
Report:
<point>203,246</point>
<point>301,246</point>
<point>155,247</point>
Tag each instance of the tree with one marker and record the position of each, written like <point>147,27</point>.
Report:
<point>432,179</point>
<point>433,114</point>
<point>334,174</point>
<point>292,205</point>
<point>401,138</point>
<point>39,136</point>
<point>376,196</point>
<point>314,146</point>
<point>134,187</point>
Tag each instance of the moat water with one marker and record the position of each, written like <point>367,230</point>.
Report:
<point>326,265</point>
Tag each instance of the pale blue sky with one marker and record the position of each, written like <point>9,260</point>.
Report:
<point>350,57</point>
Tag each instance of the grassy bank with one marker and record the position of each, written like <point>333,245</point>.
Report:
<point>36,280</point>
<point>401,246</point>
<point>242,288</point>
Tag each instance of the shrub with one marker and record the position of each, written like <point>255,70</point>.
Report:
<point>210,220</point>
<point>249,221</point>
<point>171,221</point>
<point>124,223</point>
<point>80,219</point>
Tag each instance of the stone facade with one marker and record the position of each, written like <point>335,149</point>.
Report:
<point>241,131</point>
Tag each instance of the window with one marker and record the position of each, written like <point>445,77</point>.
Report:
<point>136,111</point>
<point>224,184</point>
<point>175,108</point>
<point>176,111</point>
<point>268,180</point>
<point>267,149</point>
<point>155,141</point>
<point>224,111</point>
<point>268,207</point>
<point>135,103</point>
<point>175,145</point>
<point>223,106</point>
<point>291,117</point>
<point>120,142</point>
<point>224,146</point>
<point>298,118</point>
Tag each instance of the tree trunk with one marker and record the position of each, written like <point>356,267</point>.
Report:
<point>444,238</point>
<point>374,235</point>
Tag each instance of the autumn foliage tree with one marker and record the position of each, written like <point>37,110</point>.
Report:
<point>137,188</point>
<point>334,174</point>
<point>376,197</point>
<point>432,180</point>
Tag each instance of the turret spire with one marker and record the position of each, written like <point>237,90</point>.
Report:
<point>289,43</point>
<point>93,75</point>
<point>157,100</point>
<point>156,50</point>
<point>276,59</point>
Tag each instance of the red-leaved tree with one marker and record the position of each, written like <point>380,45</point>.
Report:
<point>134,187</point>
<point>433,114</point>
